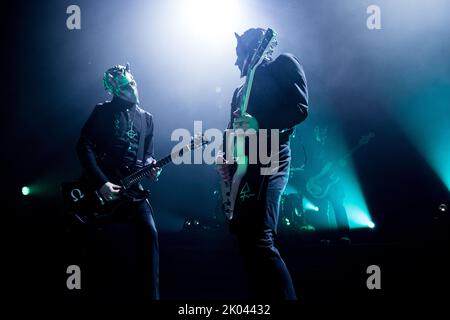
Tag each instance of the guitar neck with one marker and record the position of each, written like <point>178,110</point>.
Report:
<point>353,150</point>
<point>140,174</point>
<point>364,140</point>
<point>246,91</point>
<point>164,161</point>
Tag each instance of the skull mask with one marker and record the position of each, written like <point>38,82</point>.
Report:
<point>119,81</point>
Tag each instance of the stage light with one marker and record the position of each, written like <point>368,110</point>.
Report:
<point>443,208</point>
<point>26,190</point>
<point>197,36</point>
<point>211,19</point>
<point>428,128</point>
<point>354,201</point>
<point>357,213</point>
<point>308,205</point>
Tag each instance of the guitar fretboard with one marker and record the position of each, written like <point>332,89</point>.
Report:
<point>144,171</point>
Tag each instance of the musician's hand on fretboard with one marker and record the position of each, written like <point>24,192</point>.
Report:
<point>154,172</point>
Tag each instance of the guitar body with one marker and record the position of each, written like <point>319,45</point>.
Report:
<point>230,189</point>
<point>85,203</point>
<point>88,207</point>
<point>318,186</point>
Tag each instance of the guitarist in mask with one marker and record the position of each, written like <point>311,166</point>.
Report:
<point>118,137</point>
<point>278,100</point>
<point>335,195</point>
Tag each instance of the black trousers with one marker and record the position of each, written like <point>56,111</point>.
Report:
<point>336,198</point>
<point>255,225</point>
<point>123,257</point>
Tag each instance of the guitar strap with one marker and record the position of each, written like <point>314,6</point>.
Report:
<point>140,152</point>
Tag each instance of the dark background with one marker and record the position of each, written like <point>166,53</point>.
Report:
<point>359,81</point>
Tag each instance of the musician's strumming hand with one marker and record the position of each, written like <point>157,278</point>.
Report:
<point>155,172</point>
<point>223,167</point>
<point>110,191</point>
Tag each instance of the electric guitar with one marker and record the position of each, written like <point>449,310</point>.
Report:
<point>319,185</point>
<point>87,205</point>
<point>245,122</point>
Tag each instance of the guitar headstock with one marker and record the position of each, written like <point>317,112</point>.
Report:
<point>366,138</point>
<point>198,140</point>
<point>264,50</point>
